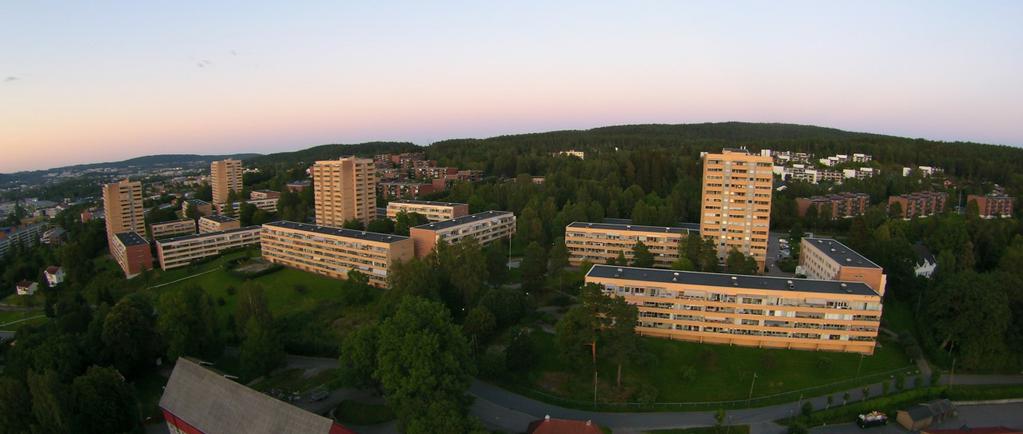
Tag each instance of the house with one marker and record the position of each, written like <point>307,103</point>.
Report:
<point>968,430</point>
<point>199,400</point>
<point>921,416</point>
<point>54,275</point>
<point>562,426</point>
<point>26,287</point>
<point>925,261</point>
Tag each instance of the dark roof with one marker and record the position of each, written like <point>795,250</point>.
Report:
<point>841,253</point>
<point>171,221</point>
<point>426,202</point>
<point>25,284</point>
<point>210,403</point>
<point>53,269</point>
<point>219,218</point>
<point>300,182</point>
<point>695,227</point>
<point>631,227</point>
<point>339,232</point>
<point>463,220</point>
<point>206,234</point>
<point>838,196</point>
<point>131,239</point>
<point>726,280</point>
<point>197,201</point>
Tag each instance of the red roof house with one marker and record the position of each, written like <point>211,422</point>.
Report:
<point>562,426</point>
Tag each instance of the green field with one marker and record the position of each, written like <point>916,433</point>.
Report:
<point>716,373</point>
<point>6,317</point>
<point>311,319</point>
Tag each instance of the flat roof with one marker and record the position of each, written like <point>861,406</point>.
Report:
<point>463,220</point>
<point>219,218</point>
<point>338,232</point>
<point>172,221</point>
<point>632,227</point>
<point>131,239</point>
<point>198,201</point>
<point>841,253</point>
<point>425,202</point>
<point>657,275</point>
<point>687,225</point>
<point>206,234</point>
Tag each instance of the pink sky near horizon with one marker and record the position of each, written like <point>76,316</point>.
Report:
<point>77,88</point>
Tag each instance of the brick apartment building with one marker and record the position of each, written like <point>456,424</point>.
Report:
<point>843,205</point>
<point>992,205</point>
<point>919,204</point>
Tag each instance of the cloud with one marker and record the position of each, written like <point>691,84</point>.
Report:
<point>11,78</point>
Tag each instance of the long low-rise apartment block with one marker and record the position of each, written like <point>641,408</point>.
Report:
<point>992,205</point>
<point>755,311</point>
<point>485,227</point>
<point>919,204</point>
<point>828,259</point>
<point>172,228</point>
<point>181,251</point>
<point>332,252</point>
<point>834,206</point>
<point>433,211</point>
<point>268,204</point>
<point>601,243</point>
<point>131,252</point>
<point>217,223</point>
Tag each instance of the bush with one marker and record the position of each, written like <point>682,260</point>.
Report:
<point>492,364</point>
<point>521,353</point>
<point>646,394</point>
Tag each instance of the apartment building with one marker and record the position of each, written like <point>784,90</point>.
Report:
<point>344,190</point>
<point>299,186</point>
<point>828,259</point>
<point>332,252</point>
<point>736,208</point>
<point>754,311</point>
<point>409,189</point>
<point>131,252</point>
<point>842,205</point>
<point>225,177</point>
<point>122,201</point>
<point>264,194</point>
<point>172,228</point>
<point>27,235</point>
<point>992,205</point>
<point>267,204</point>
<point>203,207</point>
<point>217,223</point>
<point>433,211</point>
<point>181,251</point>
<point>919,204</point>
<point>601,243</point>
<point>485,227</point>
<point>434,172</point>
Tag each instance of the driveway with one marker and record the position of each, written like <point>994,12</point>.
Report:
<point>1009,415</point>
<point>773,247</point>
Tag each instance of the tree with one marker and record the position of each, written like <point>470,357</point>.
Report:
<point>534,267</point>
<point>479,324</point>
<point>708,256</point>
<point>557,259</point>
<point>403,221</point>
<point>15,407</point>
<point>49,403</point>
<point>497,262</point>
<point>102,402</point>
<point>683,264</point>
<point>358,359</point>
<point>129,333</point>
<point>381,225</point>
<point>413,277</point>
<point>465,269</point>
<point>251,303</point>
<point>620,260</point>
<point>620,336</point>
<point>188,323</point>
<point>691,247</point>
<point>969,313</point>
<point>354,224</point>
<point>423,360</point>
<point>895,210</point>
<point>719,419</point>
<point>641,256</point>
<point>806,409</point>
<point>261,351</point>
<point>520,353</point>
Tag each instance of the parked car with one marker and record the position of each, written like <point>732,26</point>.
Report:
<point>872,419</point>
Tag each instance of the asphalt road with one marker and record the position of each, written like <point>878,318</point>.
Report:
<point>773,247</point>
<point>1009,415</point>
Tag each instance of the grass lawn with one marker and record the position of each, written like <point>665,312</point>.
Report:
<point>312,319</point>
<point>717,373</point>
<point>34,300</point>
<point>729,429</point>
<point>7,317</point>
<point>362,414</point>
<point>898,317</point>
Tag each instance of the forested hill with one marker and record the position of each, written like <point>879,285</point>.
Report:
<point>330,152</point>
<point>145,162</point>
<point>508,155</point>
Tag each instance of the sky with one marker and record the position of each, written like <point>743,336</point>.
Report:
<point>100,81</point>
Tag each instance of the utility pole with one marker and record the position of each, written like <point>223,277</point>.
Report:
<point>749,399</point>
